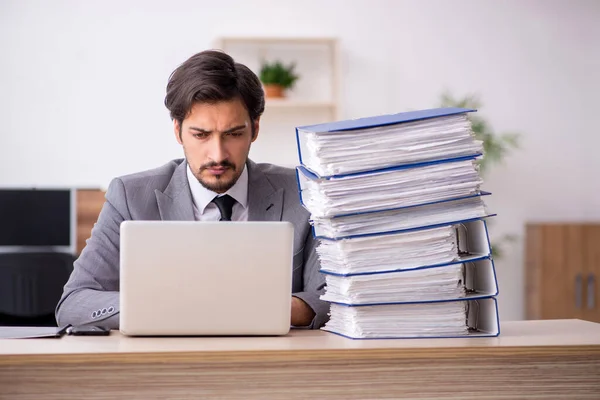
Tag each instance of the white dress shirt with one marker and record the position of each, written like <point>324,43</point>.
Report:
<point>206,210</point>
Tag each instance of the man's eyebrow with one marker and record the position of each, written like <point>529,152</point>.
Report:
<point>193,128</point>
<point>235,128</point>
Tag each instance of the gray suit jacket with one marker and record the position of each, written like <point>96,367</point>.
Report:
<point>91,296</point>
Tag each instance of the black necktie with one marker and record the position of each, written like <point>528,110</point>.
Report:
<point>225,204</point>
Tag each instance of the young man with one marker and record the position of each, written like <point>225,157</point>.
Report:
<point>216,106</point>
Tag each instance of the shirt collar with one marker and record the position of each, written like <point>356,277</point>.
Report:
<point>202,197</point>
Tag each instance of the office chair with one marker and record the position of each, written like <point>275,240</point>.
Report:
<point>31,285</point>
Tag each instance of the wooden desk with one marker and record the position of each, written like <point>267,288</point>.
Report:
<point>531,359</point>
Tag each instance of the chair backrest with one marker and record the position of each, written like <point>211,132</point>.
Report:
<point>31,285</point>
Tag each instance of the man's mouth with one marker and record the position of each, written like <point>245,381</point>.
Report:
<point>217,170</point>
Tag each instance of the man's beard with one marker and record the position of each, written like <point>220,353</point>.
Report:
<point>219,184</point>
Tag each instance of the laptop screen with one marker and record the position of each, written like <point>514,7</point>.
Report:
<point>36,218</point>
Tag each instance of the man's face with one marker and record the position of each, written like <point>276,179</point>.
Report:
<point>216,141</point>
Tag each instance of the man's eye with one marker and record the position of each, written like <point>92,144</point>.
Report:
<point>235,134</point>
<point>200,135</point>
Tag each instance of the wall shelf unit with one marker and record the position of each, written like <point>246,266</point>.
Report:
<point>313,99</point>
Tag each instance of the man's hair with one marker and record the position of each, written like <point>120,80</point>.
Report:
<point>212,76</point>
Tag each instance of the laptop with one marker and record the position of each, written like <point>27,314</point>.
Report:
<point>186,278</point>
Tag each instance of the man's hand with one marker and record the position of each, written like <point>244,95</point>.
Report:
<point>302,314</point>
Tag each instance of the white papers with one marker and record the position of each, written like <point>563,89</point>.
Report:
<point>442,283</point>
<point>335,153</point>
<point>389,189</point>
<point>398,208</point>
<point>469,278</point>
<point>395,220</point>
<point>389,252</point>
<point>400,320</point>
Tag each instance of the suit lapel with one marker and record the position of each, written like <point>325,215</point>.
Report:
<point>265,202</point>
<point>175,203</point>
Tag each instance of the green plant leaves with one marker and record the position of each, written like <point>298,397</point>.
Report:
<point>276,73</point>
<point>495,146</point>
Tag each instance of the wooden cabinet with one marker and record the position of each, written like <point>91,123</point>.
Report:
<point>561,270</point>
<point>89,204</point>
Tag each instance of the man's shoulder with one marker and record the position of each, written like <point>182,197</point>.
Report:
<point>278,176</point>
<point>276,170</point>
<point>156,178</point>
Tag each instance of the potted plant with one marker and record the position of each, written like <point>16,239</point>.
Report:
<point>496,146</point>
<point>277,77</point>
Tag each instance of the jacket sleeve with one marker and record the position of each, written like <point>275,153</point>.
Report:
<point>313,283</point>
<point>91,295</point>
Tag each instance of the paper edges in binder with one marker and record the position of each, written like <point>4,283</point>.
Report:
<point>473,245</point>
<point>317,235</point>
<point>482,321</point>
<point>373,122</point>
<point>309,174</point>
<point>480,281</point>
<point>480,193</point>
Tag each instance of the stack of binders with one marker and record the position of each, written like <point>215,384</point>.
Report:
<point>396,203</point>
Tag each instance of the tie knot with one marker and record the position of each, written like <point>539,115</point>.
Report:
<point>225,204</point>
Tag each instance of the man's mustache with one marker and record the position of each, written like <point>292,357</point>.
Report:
<point>222,164</point>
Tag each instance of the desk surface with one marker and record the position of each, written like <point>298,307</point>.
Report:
<point>549,337</point>
<point>530,360</point>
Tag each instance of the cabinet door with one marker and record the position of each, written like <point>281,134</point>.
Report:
<point>534,251</point>
<point>574,265</point>
<point>89,205</point>
<point>562,277</point>
<point>591,273</point>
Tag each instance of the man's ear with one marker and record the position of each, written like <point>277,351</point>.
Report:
<point>177,131</point>
<point>256,126</point>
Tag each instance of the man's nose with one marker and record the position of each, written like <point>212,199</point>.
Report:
<point>217,151</point>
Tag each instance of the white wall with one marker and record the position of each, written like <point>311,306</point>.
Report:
<point>82,85</point>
